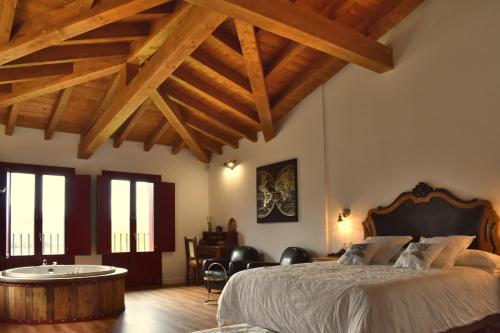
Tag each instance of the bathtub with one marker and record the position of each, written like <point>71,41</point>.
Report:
<point>57,271</point>
<point>61,293</point>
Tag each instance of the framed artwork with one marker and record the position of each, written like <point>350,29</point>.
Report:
<point>277,192</point>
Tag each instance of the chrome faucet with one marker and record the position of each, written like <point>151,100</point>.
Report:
<point>44,262</point>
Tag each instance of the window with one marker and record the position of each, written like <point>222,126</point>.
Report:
<point>21,220</point>
<point>144,216</point>
<point>120,215</point>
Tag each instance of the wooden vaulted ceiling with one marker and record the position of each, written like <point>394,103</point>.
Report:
<point>194,74</point>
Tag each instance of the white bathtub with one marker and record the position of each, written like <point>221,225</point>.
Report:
<point>57,271</point>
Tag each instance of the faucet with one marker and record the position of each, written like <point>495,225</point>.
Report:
<point>54,263</point>
<point>44,262</point>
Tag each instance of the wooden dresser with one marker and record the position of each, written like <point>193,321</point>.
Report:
<point>217,244</point>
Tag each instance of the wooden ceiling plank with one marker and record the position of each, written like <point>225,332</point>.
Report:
<point>61,24</point>
<point>210,131</point>
<point>219,68</point>
<point>208,143</point>
<point>198,25</point>
<point>301,24</point>
<point>114,88</point>
<point>70,53</point>
<point>7,13</point>
<point>326,66</point>
<point>225,122</point>
<point>230,52</point>
<point>293,49</point>
<point>12,75</point>
<point>173,114</point>
<point>156,136</point>
<point>144,48</point>
<point>11,120</point>
<point>178,145</point>
<point>113,31</point>
<point>253,62</point>
<point>60,106</point>
<point>247,114</point>
<point>82,72</point>
<point>129,125</point>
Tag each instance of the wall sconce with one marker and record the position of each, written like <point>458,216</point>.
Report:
<point>343,214</point>
<point>231,164</point>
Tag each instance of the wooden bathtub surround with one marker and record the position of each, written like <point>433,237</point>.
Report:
<point>229,68</point>
<point>62,300</point>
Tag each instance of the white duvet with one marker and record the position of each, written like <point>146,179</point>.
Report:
<point>331,298</point>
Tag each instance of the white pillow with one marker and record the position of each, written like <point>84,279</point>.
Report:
<point>454,245</point>
<point>419,255</point>
<point>478,258</point>
<point>389,247</point>
<point>359,254</point>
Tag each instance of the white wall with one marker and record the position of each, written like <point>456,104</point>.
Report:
<point>434,118</point>
<point>189,175</point>
<point>233,192</point>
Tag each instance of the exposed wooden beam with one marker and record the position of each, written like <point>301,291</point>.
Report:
<point>12,75</point>
<point>210,130</point>
<point>294,49</point>
<point>245,113</point>
<point>227,123</point>
<point>253,62</point>
<point>114,88</point>
<point>82,72</point>
<point>173,114</point>
<point>326,66</point>
<point>144,48</point>
<point>209,144</point>
<point>61,103</point>
<point>7,12</point>
<point>178,145</point>
<point>5,88</point>
<point>301,24</point>
<point>198,25</point>
<point>129,125</point>
<point>11,120</point>
<point>158,132</point>
<point>70,53</point>
<point>114,32</point>
<point>60,24</point>
<point>222,70</point>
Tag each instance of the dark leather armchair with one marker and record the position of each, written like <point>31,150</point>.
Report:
<point>241,256</point>
<point>291,255</point>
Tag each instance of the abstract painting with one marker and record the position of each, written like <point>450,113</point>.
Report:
<point>277,192</point>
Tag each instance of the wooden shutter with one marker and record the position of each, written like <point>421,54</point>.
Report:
<point>78,235</point>
<point>103,215</point>
<point>3,215</point>
<point>165,217</point>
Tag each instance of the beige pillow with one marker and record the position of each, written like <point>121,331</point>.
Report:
<point>389,247</point>
<point>419,255</point>
<point>478,258</point>
<point>454,245</point>
<point>359,254</point>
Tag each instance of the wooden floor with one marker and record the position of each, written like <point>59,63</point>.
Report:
<point>165,310</point>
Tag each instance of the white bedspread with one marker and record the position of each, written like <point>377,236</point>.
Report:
<point>328,297</point>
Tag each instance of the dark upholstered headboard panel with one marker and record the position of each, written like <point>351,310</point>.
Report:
<point>430,212</point>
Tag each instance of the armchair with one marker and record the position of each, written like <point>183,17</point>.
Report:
<point>241,256</point>
<point>291,255</point>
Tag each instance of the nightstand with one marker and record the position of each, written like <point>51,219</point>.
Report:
<point>325,258</point>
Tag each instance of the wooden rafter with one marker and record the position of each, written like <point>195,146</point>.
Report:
<point>11,120</point>
<point>7,12</point>
<point>301,24</point>
<point>209,144</point>
<point>178,145</point>
<point>158,132</point>
<point>173,114</point>
<point>129,125</point>
<point>61,103</point>
<point>82,72</point>
<point>70,53</point>
<point>111,33</point>
<point>29,37</point>
<point>117,83</point>
<point>144,48</point>
<point>198,25</point>
<point>210,131</point>
<point>12,75</point>
<point>326,66</point>
<point>253,62</point>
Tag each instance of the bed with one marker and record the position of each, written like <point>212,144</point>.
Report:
<point>329,297</point>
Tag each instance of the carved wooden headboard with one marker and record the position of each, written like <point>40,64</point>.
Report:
<point>429,212</point>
